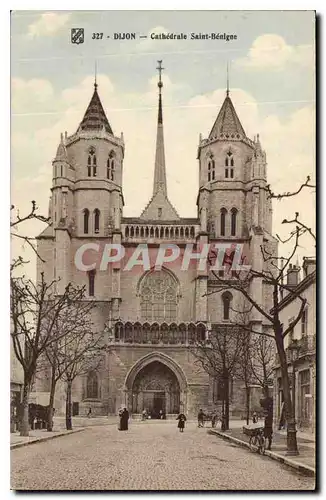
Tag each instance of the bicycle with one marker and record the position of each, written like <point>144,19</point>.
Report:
<point>257,442</point>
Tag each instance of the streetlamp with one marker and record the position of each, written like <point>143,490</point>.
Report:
<point>292,448</point>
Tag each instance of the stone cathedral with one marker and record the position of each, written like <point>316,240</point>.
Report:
<point>150,318</point>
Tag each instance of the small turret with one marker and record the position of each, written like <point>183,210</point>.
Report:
<point>61,154</point>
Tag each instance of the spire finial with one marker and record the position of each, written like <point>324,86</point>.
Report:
<point>160,69</point>
<point>227,80</point>
<point>160,85</point>
<point>95,75</point>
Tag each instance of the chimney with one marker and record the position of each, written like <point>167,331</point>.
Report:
<point>308,266</point>
<point>293,275</point>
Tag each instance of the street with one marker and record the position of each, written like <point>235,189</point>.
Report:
<point>150,456</point>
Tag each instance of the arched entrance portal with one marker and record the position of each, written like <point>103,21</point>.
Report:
<point>156,388</point>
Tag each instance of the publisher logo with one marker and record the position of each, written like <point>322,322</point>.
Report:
<point>77,35</point>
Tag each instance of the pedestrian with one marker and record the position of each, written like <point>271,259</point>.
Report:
<point>124,417</point>
<point>89,414</point>
<point>182,419</point>
<point>160,415</point>
<point>144,415</point>
<point>200,417</point>
<point>254,418</point>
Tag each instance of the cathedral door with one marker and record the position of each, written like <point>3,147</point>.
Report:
<point>156,388</point>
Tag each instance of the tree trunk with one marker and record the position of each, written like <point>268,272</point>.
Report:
<point>248,404</point>
<point>51,401</point>
<point>227,403</point>
<point>223,428</point>
<point>24,424</point>
<point>265,389</point>
<point>292,447</point>
<point>68,406</point>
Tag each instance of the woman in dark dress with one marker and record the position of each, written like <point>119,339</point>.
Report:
<point>182,419</point>
<point>124,417</point>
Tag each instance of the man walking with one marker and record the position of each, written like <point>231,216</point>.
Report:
<point>200,417</point>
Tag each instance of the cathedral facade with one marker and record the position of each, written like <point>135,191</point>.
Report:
<point>151,317</point>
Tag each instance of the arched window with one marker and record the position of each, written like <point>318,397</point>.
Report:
<point>86,220</point>
<point>110,166</point>
<point>91,163</point>
<point>96,220</point>
<point>158,297</point>
<point>91,283</point>
<point>209,171</point>
<point>226,299</point>
<point>234,212</point>
<point>92,386</point>
<point>223,219</point>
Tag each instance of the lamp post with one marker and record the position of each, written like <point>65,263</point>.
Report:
<point>293,350</point>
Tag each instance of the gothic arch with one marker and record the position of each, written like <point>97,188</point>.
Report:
<point>149,358</point>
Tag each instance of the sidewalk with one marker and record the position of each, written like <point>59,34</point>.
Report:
<point>16,441</point>
<point>305,462</point>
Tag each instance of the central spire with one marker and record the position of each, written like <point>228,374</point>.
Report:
<point>159,172</point>
<point>159,206</point>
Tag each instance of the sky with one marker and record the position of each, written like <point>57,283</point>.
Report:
<point>272,85</point>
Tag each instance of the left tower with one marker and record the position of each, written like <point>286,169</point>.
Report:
<point>85,206</point>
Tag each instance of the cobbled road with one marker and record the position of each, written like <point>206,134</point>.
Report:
<point>149,456</point>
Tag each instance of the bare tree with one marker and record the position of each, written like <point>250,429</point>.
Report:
<point>35,309</point>
<point>218,356</point>
<point>73,322</point>
<point>77,356</point>
<point>244,366</point>
<point>262,361</point>
<point>272,273</point>
<point>16,222</point>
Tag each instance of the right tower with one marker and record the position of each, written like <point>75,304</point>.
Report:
<point>234,208</point>
<point>233,203</point>
<point>232,173</point>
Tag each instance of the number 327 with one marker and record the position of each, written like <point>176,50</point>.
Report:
<point>97,36</point>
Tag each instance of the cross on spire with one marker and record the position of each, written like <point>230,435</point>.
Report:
<point>95,71</point>
<point>227,80</point>
<point>160,69</point>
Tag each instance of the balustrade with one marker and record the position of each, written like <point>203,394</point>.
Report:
<point>155,333</point>
<point>139,232</point>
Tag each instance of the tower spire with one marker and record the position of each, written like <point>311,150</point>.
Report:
<point>159,173</point>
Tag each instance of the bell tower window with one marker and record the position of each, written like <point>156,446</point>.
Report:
<point>211,169</point>
<point>229,165</point>
<point>110,166</point>
<point>91,163</point>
